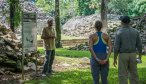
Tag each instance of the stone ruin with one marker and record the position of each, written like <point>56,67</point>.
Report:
<point>70,29</point>
<point>11,52</point>
<point>83,26</point>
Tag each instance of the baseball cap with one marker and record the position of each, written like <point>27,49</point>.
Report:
<point>125,19</point>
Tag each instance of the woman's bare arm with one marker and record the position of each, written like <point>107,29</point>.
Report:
<point>91,49</point>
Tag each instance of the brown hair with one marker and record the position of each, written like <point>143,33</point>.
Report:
<point>98,25</point>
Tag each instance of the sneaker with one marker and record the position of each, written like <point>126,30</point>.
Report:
<point>43,75</point>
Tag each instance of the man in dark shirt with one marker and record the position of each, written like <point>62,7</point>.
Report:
<point>127,43</point>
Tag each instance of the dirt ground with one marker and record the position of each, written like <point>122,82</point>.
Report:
<point>60,64</point>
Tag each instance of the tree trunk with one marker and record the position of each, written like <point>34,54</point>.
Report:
<point>104,14</point>
<point>72,8</point>
<point>12,12</point>
<point>57,22</point>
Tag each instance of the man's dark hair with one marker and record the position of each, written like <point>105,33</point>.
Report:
<point>98,25</point>
<point>125,19</point>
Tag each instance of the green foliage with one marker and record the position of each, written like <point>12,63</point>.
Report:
<point>139,7</point>
<point>17,12</point>
<point>87,7</point>
<point>46,5</point>
<point>69,8</point>
<point>119,6</point>
<point>128,7</point>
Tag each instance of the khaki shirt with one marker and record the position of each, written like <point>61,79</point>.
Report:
<point>49,44</point>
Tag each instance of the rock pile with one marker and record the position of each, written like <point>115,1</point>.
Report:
<point>11,51</point>
<point>80,47</point>
<point>83,26</point>
<point>140,24</point>
<point>79,28</point>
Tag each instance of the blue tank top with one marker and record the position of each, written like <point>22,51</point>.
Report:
<point>100,46</point>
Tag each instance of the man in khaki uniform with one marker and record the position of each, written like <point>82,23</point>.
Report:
<point>48,36</point>
<point>127,43</point>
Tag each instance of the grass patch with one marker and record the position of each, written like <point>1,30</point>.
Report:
<point>83,76</point>
<point>41,50</point>
<point>68,53</point>
<point>72,53</point>
<point>63,37</point>
<point>67,77</point>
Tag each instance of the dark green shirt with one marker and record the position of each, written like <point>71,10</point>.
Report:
<point>127,40</point>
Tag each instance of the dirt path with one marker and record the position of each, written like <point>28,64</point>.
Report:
<point>66,63</point>
<point>60,64</point>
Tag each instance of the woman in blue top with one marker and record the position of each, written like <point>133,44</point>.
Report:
<point>98,43</point>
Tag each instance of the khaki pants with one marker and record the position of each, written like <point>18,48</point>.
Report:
<point>127,68</point>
